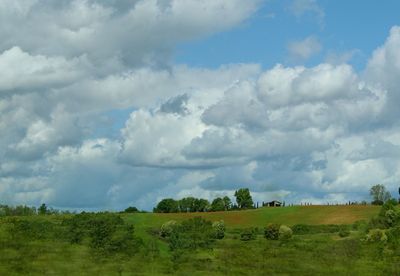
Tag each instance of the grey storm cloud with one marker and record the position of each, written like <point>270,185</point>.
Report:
<point>315,133</point>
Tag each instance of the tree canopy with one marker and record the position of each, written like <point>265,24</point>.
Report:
<point>379,194</point>
<point>244,199</point>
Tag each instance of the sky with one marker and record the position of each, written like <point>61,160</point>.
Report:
<point>115,103</point>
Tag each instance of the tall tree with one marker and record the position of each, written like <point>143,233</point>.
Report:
<point>244,199</point>
<point>187,204</point>
<point>201,205</point>
<point>227,203</point>
<point>379,194</point>
<point>218,204</point>
<point>42,210</point>
<point>167,205</point>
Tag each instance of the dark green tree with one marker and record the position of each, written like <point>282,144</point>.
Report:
<point>218,204</point>
<point>201,205</point>
<point>227,203</point>
<point>379,194</point>
<point>131,209</point>
<point>42,210</point>
<point>167,205</point>
<point>243,198</point>
<point>187,204</point>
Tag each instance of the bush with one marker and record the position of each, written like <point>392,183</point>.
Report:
<point>192,234</point>
<point>376,235</point>
<point>167,228</point>
<point>285,233</point>
<point>248,234</point>
<point>360,225</point>
<point>344,232</point>
<point>271,232</point>
<point>393,236</point>
<point>105,233</point>
<point>392,218</point>
<point>219,229</point>
<point>377,202</point>
<point>304,229</point>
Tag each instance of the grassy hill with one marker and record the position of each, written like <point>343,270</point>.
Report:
<point>86,244</point>
<point>262,216</point>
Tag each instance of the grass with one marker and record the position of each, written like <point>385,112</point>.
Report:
<point>262,216</point>
<point>309,254</point>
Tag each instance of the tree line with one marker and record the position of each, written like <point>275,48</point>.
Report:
<point>192,204</point>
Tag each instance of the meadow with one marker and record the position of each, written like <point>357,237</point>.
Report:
<point>106,244</point>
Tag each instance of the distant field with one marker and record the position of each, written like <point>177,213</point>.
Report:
<point>260,217</point>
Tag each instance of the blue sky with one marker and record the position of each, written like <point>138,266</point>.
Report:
<point>345,26</point>
<point>128,102</point>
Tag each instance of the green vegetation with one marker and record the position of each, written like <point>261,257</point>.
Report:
<point>244,199</point>
<point>379,194</point>
<point>357,240</point>
<point>191,204</point>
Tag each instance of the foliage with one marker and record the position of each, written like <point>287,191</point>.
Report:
<point>244,199</point>
<point>376,235</point>
<point>271,232</point>
<point>344,232</point>
<point>360,225</point>
<point>167,205</point>
<point>192,234</point>
<point>167,228</point>
<point>20,210</point>
<point>304,229</point>
<point>392,218</point>
<point>51,253</point>
<point>218,204</point>
<point>131,209</point>
<point>388,216</point>
<point>219,229</point>
<point>379,194</point>
<point>221,204</point>
<point>42,210</point>
<point>227,203</point>
<point>106,233</point>
<point>188,204</point>
<point>248,234</point>
<point>393,236</point>
<point>285,233</point>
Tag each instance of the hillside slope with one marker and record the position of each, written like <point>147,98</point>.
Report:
<point>260,217</point>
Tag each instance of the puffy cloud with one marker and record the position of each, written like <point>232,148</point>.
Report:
<point>129,32</point>
<point>383,70</point>
<point>317,134</point>
<point>304,49</point>
<point>24,72</point>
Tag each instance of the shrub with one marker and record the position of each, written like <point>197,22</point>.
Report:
<point>393,236</point>
<point>360,225</point>
<point>392,217</point>
<point>167,228</point>
<point>344,232</point>
<point>285,233</point>
<point>271,232</point>
<point>376,235</point>
<point>248,234</point>
<point>192,234</point>
<point>219,229</point>
<point>304,229</point>
<point>377,202</point>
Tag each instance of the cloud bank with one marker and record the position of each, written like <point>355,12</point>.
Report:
<point>97,115</point>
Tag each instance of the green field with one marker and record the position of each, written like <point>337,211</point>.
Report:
<point>341,214</point>
<point>41,245</point>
